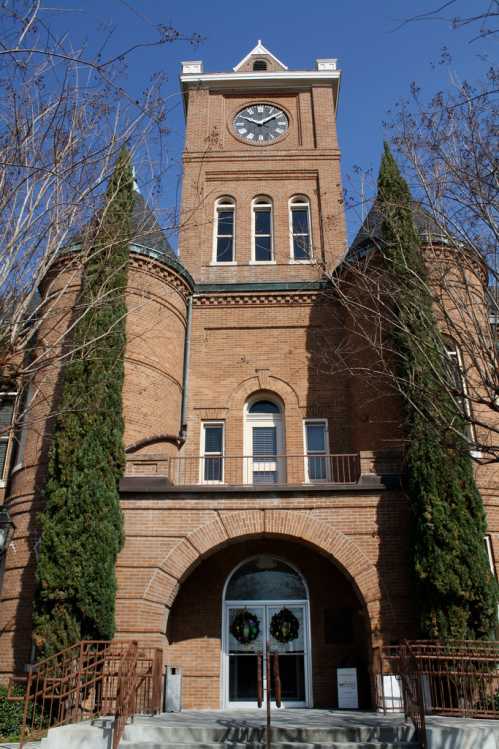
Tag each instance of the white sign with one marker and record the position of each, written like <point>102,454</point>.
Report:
<point>348,696</point>
<point>392,694</point>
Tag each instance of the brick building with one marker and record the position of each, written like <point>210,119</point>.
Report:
<point>256,481</point>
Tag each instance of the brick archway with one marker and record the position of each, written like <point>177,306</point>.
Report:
<point>263,382</point>
<point>230,526</point>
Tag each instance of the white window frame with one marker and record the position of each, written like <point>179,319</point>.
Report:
<point>308,453</point>
<point>299,201</point>
<point>275,420</point>
<point>490,553</point>
<point>7,437</point>
<point>21,445</point>
<point>259,203</point>
<point>453,353</point>
<point>204,454</point>
<point>224,203</point>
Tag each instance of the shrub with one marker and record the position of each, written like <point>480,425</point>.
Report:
<point>11,714</point>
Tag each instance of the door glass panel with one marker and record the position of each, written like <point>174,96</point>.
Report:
<point>243,655</point>
<point>291,653</point>
<point>292,673</point>
<point>296,644</point>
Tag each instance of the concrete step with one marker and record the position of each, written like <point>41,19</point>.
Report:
<point>167,732</point>
<point>126,744</point>
<point>286,737</point>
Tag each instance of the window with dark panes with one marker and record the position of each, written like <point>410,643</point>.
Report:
<point>317,450</point>
<point>457,382</point>
<point>213,447</point>
<point>300,229</point>
<point>225,232</point>
<point>7,401</point>
<point>262,231</point>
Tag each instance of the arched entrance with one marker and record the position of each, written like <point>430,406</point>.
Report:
<point>265,607</point>
<point>339,621</point>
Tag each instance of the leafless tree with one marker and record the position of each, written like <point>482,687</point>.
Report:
<point>65,115</point>
<point>484,21</point>
<point>448,151</point>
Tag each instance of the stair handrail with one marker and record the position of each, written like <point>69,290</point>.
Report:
<point>126,692</point>
<point>81,682</point>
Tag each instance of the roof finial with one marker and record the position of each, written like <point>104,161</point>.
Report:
<point>259,41</point>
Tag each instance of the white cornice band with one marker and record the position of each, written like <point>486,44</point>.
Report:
<point>280,75</point>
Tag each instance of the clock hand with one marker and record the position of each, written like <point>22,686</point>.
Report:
<point>262,122</point>
<point>250,119</point>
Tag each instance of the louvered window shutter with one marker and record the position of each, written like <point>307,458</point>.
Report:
<point>264,441</point>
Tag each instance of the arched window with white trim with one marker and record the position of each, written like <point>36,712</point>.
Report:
<point>224,235</point>
<point>299,229</point>
<point>263,250</point>
<point>263,441</point>
<point>457,382</point>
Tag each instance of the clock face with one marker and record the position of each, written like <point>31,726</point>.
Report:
<point>260,124</point>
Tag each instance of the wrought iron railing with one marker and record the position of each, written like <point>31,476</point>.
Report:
<point>90,679</point>
<point>264,470</point>
<point>459,677</point>
<point>454,677</point>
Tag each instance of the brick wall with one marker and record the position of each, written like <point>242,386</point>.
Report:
<point>305,162</point>
<point>179,551</point>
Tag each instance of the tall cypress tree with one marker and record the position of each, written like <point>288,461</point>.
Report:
<point>455,591</point>
<point>81,522</point>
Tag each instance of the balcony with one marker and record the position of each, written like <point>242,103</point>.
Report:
<point>207,474</point>
<point>264,470</point>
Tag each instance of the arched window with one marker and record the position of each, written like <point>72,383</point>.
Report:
<point>457,382</point>
<point>264,407</point>
<point>224,244</point>
<point>263,442</point>
<point>7,409</point>
<point>260,65</point>
<point>265,577</point>
<point>262,230</point>
<point>299,229</point>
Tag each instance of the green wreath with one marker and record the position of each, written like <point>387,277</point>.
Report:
<point>245,627</point>
<point>284,626</point>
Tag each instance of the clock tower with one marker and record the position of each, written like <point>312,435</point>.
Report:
<point>268,434</point>
<point>262,198</point>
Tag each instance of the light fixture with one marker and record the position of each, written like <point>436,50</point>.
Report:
<point>6,529</point>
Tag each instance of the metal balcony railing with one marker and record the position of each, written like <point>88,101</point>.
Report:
<point>264,470</point>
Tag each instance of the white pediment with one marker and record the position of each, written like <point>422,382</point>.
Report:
<point>259,49</point>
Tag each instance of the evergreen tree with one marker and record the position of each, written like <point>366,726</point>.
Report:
<point>81,522</point>
<point>456,593</point>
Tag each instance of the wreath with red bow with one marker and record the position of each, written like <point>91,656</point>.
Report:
<point>245,627</point>
<point>284,626</point>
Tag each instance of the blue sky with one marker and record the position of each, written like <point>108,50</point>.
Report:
<point>378,60</point>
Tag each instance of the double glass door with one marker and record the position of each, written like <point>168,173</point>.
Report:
<point>248,633</point>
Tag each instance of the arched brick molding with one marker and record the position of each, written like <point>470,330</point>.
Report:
<point>230,526</point>
<point>276,385</point>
